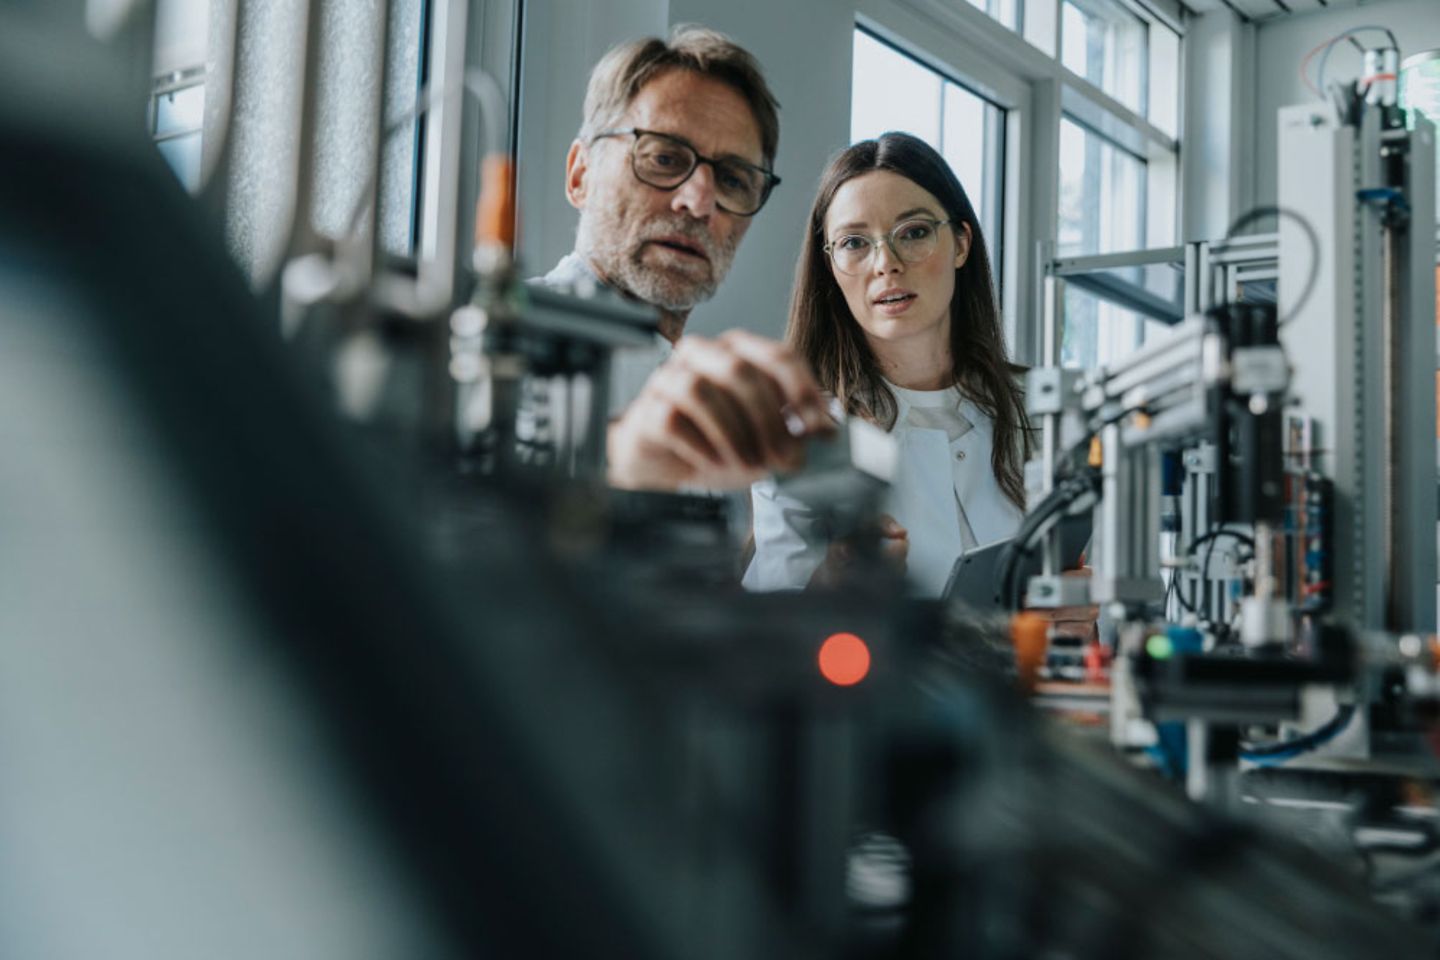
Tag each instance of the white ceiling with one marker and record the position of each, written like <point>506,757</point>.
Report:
<point>1265,10</point>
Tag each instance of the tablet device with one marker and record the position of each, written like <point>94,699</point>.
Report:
<point>975,578</point>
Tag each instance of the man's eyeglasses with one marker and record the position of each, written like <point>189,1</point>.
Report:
<point>912,241</point>
<point>664,162</point>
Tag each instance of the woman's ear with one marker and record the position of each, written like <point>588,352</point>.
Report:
<point>962,244</point>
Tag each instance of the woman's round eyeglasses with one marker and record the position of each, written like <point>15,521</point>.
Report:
<point>664,162</point>
<point>912,241</point>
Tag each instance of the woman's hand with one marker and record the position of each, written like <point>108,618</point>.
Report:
<point>840,564</point>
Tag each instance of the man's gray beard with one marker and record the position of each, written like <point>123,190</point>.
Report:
<point>617,254</point>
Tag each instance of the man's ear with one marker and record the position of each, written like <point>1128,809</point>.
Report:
<point>962,245</point>
<point>577,164</point>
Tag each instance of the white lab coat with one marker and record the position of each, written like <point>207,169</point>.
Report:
<point>931,471</point>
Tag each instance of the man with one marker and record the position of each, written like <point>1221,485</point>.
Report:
<point>673,159</point>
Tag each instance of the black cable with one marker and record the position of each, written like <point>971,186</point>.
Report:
<point>1034,526</point>
<point>1193,605</point>
<point>1180,595</point>
<point>1069,487</point>
<point>1259,213</point>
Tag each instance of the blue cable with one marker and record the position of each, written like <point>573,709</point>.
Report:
<point>1275,753</point>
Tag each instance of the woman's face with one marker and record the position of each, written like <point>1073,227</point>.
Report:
<point>891,299</point>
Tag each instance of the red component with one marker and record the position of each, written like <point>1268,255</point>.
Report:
<point>1097,662</point>
<point>844,659</point>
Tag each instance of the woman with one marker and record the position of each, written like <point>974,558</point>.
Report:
<point>895,309</point>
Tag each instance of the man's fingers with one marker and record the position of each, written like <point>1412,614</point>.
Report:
<point>753,392</point>
<point>717,411</point>
<point>890,528</point>
<point>642,457</point>
<point>791,375</point>
<point>730,439</point>
<point>662,423</point>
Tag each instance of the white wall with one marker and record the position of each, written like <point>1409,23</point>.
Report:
<point>805,49</point>
<point>562,41</point>
<point>1282,44</point>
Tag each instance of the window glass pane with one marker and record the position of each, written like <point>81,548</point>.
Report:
<point>1073,25</point>
<point>1165,79</point>
<point>895,92</point>
<point>963,147</point>
<point>1006,11</point>
<point>1040,26</point>
<point>183,155</point>
<point>1098,333</point>
<point>180,111</point>
<point>1102,210</point>
<point>1102,194</point>
<point>1107,45</point>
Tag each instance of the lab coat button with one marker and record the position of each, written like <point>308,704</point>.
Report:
<point>959,454</point>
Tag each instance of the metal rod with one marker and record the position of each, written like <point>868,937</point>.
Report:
<point>301,237</point>
<point>366,252</point>
<point>1390,493</point>
<point>1192,266</point>
<point>1054,306</point>
<point>444,126</point>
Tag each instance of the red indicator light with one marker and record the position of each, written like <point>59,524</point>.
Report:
<point>844,659</point>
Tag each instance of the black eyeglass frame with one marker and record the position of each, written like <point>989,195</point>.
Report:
<point>771,181</point>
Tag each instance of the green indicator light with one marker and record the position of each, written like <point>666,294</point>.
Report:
<point>1159,647</point>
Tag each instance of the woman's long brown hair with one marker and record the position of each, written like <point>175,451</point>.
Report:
<point>823,330</point>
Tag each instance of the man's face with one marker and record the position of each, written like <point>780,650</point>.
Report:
<point>669,248</point>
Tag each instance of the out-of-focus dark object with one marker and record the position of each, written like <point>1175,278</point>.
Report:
<point>243,712</point>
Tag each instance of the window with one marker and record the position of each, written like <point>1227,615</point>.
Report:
<point>1006,11</point>
<point>893,91</point>
<point>177,119</point>
<point>1164,73</point>
<point>1108,45</point>
<point>1098,334</point>
<point>1102,194</point>
<point>1102,210</point>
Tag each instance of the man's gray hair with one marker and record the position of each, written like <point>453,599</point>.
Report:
<point>624,71</point>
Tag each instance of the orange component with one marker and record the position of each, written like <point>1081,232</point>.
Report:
<point>1030,633</point>
<point>1097,662</point>
<point>844,659</point>
<point>495,213</point>
<point>1096,456</point>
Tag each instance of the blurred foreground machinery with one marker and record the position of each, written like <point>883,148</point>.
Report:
<point>258,697</point>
